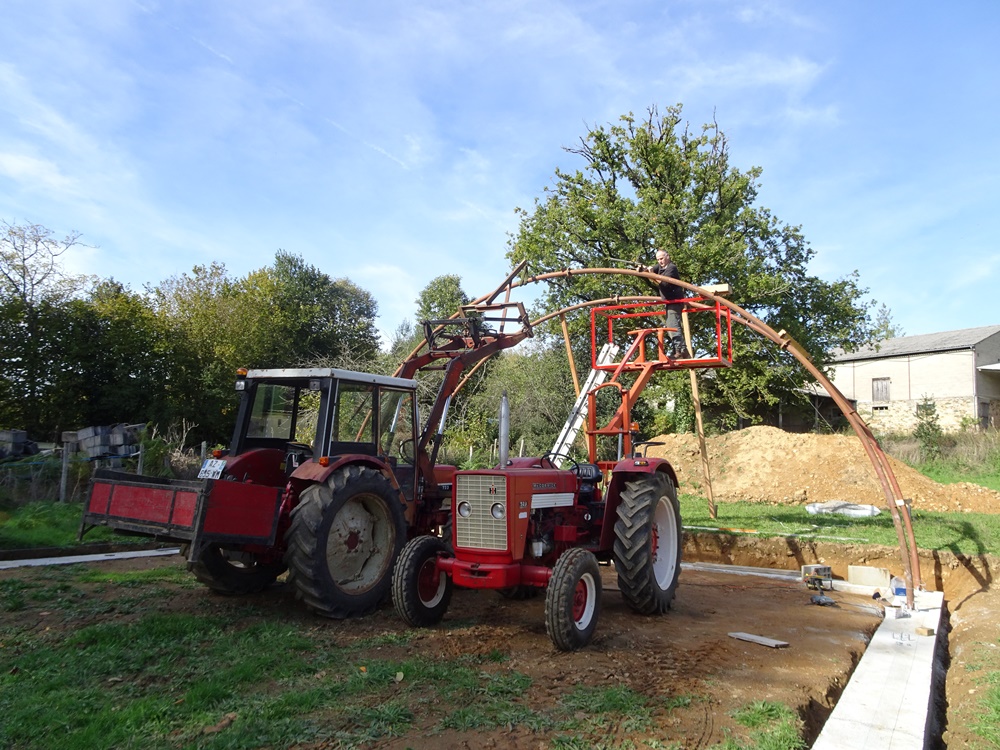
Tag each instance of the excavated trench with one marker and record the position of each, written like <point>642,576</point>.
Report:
<point>964,579</point>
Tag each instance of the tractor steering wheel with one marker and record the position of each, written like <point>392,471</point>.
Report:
<point>407,455</point>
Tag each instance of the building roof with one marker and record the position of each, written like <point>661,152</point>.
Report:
<point>965,338</point>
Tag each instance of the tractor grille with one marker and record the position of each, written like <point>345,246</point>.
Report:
<point>481,530</point>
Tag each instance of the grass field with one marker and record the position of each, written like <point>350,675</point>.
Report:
<point>966,533</point>
<point>238,676</point>
<point>150,678</point>
<point>51,524</point>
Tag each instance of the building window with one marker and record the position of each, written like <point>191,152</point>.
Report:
<point>880,389</point>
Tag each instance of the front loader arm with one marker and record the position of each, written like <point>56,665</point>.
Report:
<point>473,344</point>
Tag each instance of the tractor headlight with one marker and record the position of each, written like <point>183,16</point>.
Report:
<point>464,509</point>
<point>498,510</point>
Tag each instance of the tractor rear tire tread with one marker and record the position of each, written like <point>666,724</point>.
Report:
<point>306,539</point>
<point>633,548</point>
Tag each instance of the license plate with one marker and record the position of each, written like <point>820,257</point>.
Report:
<point>212,468</point>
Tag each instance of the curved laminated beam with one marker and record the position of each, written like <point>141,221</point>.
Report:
<point>880,463</point>
<point>883,471</point>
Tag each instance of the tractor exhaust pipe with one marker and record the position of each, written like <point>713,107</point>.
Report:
<point>504,441</point>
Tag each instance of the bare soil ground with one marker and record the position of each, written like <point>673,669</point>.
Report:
<point>764,464</point>
<point>684,654</point>
<point>688,652</point>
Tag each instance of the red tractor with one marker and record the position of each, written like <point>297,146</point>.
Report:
<point>328,474</point>
<point>528,525</point>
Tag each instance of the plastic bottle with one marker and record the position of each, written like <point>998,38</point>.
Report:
<point>897,586</point>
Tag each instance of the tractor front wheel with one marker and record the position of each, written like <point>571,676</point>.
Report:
<point>573,599</point>
<point>344,538</point>
<point>647,551</point>
<point>420,591</point>
<point>233,571</point>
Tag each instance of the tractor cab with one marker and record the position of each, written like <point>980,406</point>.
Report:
<point>321,415</point>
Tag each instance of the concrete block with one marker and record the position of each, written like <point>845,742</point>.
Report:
<point>101,449</point>
<point>866,575</point>
<point>69,437</point>
<point>89,432</point>
<point>15,437</point>
<point>10,449</point>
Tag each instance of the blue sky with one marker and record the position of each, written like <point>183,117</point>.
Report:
<point>389,142</point>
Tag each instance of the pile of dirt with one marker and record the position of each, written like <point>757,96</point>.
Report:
<point>768,465</point>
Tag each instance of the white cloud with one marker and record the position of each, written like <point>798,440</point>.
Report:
<point>752,71</point>
<point>35,174</point>
<point>777,14</point>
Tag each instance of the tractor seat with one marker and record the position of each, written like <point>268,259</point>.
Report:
<point>588,473</point>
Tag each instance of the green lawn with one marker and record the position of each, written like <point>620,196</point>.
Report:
<point>50,524</point>
<point>949,474</point>
<point>238,676</point>
<point>966,533</point>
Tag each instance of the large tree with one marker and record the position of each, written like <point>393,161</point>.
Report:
<point>652,183</point>
<point>298,313</point>
<point>288,314</point>
<point>441,298</point>
<point>33,290</point>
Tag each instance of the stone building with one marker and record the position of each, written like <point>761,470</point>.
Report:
<point>958,370</point>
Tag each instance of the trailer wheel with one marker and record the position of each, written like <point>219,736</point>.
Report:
<point>420,592</point>
<point>344,538</point>
<point>573,599</point>
<point>234,572</point>
<point>647,551</point>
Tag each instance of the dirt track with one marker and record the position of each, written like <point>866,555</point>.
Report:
<point>684,655</point>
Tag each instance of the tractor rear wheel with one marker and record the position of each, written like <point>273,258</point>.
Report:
<point>233,571</point>
<point>344,538</point>
<point>573,599</point>
<point>420,592</point>
<point>647,551</point>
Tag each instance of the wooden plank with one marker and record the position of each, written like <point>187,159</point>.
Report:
<point>717,289</point>
<point>759,639</point>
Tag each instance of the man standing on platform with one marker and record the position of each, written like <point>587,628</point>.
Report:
<point>666,267</point>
